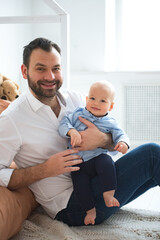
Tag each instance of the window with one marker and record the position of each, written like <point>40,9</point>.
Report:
<point>132,35</point>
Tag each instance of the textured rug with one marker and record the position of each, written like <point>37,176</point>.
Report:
<point>126,224</point>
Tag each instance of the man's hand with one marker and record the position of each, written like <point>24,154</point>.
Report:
<point>62,162</point>
<point>93,138</point>
<point>3,105</point>
<point>57,164</point>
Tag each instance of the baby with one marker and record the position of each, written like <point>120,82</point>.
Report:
<point>95,162</point>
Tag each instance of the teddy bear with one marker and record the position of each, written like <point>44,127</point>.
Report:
<point>9,90</point>
<point>2,78</point>
<point>2,94</point>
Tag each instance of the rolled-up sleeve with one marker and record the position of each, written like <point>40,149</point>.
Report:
<point>5,175</point>
<point>9,145</point>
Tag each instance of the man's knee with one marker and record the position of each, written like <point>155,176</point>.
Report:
<point>15,207</point>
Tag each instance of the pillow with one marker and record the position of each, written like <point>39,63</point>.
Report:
<point>15,207</point>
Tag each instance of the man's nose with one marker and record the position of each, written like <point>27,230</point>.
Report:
<point>50,75</point>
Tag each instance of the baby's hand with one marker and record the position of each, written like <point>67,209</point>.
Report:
<point>75,137</point>
<point>121,147</point>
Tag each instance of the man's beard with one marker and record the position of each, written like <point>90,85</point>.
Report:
<point>42,93</point>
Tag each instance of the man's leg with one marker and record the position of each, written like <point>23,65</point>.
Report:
<point>15,207</point>
<point>137,172</point>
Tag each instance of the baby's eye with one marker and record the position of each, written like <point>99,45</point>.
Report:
<point>103,101</point>
<point>92,98</point>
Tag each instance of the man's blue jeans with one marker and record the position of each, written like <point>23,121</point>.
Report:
<point>137,172</point>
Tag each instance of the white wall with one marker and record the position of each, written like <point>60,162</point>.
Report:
<point>87,33</point>
<point>51,31</point>
<point>13,38</point>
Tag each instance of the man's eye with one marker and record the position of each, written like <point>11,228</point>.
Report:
<point>92,98</point>
<point>56,69</point>
<point>40,69</point>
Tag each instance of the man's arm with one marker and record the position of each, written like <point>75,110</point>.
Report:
<point>57,164</point>
<point>93,138</point>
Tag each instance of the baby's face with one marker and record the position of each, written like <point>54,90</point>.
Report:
<point>99,101</point>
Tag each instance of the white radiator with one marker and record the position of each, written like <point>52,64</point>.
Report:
<point>142,112</point>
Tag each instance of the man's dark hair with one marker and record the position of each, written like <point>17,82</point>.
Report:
<point>42,43</point>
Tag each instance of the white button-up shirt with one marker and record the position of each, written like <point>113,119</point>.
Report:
<point>29,136</point>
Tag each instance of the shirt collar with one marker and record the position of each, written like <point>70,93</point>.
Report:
<point>62,97</point>
<point>36,104</point>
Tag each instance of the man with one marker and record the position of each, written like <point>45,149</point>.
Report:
<point>29,136</point>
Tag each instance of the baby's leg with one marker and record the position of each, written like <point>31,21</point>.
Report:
<point>107,175</point>
<point>110,200</point>
<point>81,183</point>
<point>90,217</point>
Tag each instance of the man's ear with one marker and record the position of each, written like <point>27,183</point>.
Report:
<point>86,98</point>
<point>111,107</point>
<point>24,71</point>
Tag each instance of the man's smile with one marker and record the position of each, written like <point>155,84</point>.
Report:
<point>48,85</point>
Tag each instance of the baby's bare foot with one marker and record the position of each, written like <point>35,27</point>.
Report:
<point>90,217</point>
<point>110,201</point>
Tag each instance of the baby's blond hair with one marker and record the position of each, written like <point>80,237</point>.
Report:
<point>108,86</point>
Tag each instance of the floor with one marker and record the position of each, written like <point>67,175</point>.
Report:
<point>149,200</point>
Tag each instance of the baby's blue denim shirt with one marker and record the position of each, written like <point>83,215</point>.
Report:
<point>105,124</point>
